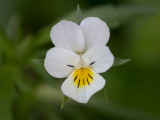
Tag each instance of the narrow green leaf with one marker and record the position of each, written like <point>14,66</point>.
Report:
<point>64,100</point>
<point>38,61</point>
<point>13,30</point>
<point>24,48</point>
<point>119,61</point>
<point>6,46</point>
<point>40,70</point>
<point>79,16</point>
<point>105,95</point>
<point>115,16</point>
<point>43,37</point>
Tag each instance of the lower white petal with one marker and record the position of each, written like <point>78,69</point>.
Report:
<point>60,62</point>
<point>99,57</point>
<point>81,87</point>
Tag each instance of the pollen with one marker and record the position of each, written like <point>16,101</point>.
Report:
<point>83,77</point>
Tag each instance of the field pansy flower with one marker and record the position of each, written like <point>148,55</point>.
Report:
<point>80,53</point>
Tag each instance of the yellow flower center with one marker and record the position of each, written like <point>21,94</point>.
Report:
<point>83,77</point>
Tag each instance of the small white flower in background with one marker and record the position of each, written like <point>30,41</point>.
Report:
<point>79,54</point>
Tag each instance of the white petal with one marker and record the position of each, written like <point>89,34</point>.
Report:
<point>97,84</point>
<point>70,89</point>
<point>57,62</point>
<point>82,94</point>
<point>68,35</point>
<point>95,31</point>
<point>99,57</point>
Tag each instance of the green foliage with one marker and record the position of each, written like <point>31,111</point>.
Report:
<point>118,15</point>
<point>114,16</point>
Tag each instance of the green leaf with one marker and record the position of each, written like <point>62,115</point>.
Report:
<point>24,48</point>
<point>119,61</point>
<point>38,61</point>
<point>64,100</point>
<point>78,17</point>
<point>105,95</point>
<point>39,69</point>
<point>43,37</point>
<point>6,45</point>
<point>13,29</point>
<point>115,16</point>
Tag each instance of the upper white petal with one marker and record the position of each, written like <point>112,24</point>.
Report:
<point>100,56</point>
<point>95,31</point>
<point>56,62</point>
<point>83,94</point>
<point>68,35</point>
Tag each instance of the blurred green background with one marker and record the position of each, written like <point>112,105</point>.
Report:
<point>28,92</point>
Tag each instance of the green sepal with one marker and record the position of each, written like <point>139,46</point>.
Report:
<point>79,16</point>
<point>64,100</point>
<point>119,61</point>
<point>105,94</point>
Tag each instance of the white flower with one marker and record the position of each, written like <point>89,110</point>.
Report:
<point>79,54</point>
